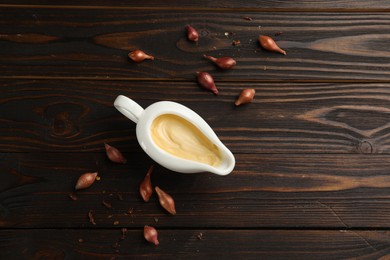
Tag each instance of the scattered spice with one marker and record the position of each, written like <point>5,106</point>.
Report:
<point>247,18</point>
<point>151,235</point>
<point>130,211</point>
<point>107,204</point>
<point>155,219</point>
<point>114,154</point>
<point>91,217</point>
<point>207,82</point>
<point>278,33</point>
<point>145,188</point>
<point>81,240</point>
<point>269,44</point>
<point>235,43</point>
<point>245,97</point>
<point>73,196</point>
<point>222,62</point>
<point>97,178</point>
<point>116,222</point>
<point>192,34</point>
<point>228,34</point>
<point>110,216</point>
<point>166,201</point>
<point>200,236</point>
<point>86,180</point>
<point>139,56</point>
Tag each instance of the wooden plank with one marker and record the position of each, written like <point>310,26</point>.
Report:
<point>45,42</point>
<point>257,5</point>
<point>282,191</point>
<point>78,116</point>
<point>225,244</point>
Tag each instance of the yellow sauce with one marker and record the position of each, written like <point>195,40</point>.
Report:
<point>181,138</point>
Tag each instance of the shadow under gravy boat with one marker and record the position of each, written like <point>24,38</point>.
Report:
<point>146,118</point>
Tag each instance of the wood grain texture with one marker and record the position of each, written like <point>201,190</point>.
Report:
<point>74,116</point>
<point>178,244</point>
<point>44,42</point>
<point>283,191</point>
<point>225,5</point>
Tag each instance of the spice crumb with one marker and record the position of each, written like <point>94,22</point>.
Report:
<point>110,216</point>
<point>265,68</point>
<point>72,196</point>
<point>124,233</point>
<point>155,219</point>
<point>116,222</point>
<point>278,33</point>
<point>247,18</point>
<point>81,240</point>
<point>91,217</point>
<point>200,236</point>
<point>235,43</point>
<point>116,246</point>
<point>97,178</point>
<point>119,196</point>
<point>107,204</point>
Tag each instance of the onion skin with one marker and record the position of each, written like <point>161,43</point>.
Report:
<point>207,82</point>
<point>145,188</point>
<point>139,56</point>
<point>166,201</point>
<point>245,97</point>
<point>85,180</point>
<point>222,62</point>
<point>151,235</point>
<point>269,44</point>
<point>192,34</point>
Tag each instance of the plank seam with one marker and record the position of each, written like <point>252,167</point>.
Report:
<point>179,80</point>
<point>209,9</point>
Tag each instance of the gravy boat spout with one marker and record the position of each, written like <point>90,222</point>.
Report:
<point>177,138</point>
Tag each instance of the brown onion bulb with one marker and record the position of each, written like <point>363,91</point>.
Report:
<point>85,180</point>
<point>207,82</point>
<point>114,154</point>
<point>222,62</point>
<point>151,235</point>
<point>166,201</point>
<point>145,188</point>
<point>192,34</point>
<point>245,97</point>
<point>269,44</point>
<point>139,56</point>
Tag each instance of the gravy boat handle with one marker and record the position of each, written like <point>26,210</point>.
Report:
<point>128,108</point>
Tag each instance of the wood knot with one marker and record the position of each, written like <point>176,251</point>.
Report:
<point>62,125</point>
<point>365,147</point>
<point>63,119</point>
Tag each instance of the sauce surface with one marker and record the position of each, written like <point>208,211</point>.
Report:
<point>181,138</point>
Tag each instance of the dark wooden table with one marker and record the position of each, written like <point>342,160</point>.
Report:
<point>312,178</point>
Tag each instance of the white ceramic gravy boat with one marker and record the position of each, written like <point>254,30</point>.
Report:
<point>144,119</point>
